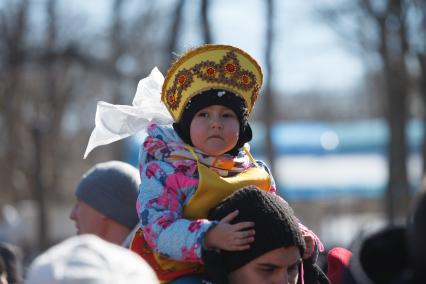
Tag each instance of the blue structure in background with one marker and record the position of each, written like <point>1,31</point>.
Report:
<point>328,141</point>
<point>361,136</point>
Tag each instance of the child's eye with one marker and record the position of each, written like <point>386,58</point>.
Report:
<point>228,114</point>
<point>203,114</point>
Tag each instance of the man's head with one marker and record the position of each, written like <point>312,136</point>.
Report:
<point>417,233</point>
<point>3,272</point>
<point>278,245</point>
<point>106,201</point>
<point>10,263</point>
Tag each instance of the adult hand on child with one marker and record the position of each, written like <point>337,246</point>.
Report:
<point>313,244</point>
<point>231,237</point>
<point>309,245</point>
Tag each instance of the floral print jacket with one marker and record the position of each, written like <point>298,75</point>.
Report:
<point>167,184</point>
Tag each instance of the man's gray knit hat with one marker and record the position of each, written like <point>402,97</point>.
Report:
<point>112,189</point>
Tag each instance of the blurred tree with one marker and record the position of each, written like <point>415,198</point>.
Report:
<point>207,37</point>
<point>418,47</point>
<point>50,80</point>
<point>174,32</point>
<point>385,28</point>
<point>268,116</point>
<point>117,52</point>
<point>393,49</point>
<point>39,192</point>
<point>12,55</point>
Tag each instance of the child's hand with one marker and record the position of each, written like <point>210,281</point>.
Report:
<point>229,237</point>
<point>310,245</point>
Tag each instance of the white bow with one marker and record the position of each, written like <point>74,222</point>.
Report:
<point>115,122</point>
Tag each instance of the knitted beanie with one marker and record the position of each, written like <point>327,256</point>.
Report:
<point>88,259</point>
<point>209,98</point>
<point>275,224</point>
<point>378,256</point>
<point>383,255</point>
<point>112,189</point>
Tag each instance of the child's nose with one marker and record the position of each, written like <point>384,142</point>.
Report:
<point>216,123</point>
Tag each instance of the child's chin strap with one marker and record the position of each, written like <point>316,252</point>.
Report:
<point>250,156</point>
<point>192,152</point>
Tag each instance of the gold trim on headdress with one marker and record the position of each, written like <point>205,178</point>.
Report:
<point>208,67</point>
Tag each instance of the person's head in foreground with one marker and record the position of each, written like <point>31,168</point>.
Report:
<point>87,259</point>
<point>275,254</point>
<point>106,198</point>
<point>379,256</point>
<point>10,264</point>
<point>417,236</point>
<point>3,272</point>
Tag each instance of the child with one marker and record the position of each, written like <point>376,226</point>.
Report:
<point>189,168</point>
<point>210,92</point>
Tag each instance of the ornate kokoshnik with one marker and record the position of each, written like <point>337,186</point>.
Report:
<point>211,67</point>
<point>207,67</point>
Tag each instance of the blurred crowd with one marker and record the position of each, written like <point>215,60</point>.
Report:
<point>99,253</point>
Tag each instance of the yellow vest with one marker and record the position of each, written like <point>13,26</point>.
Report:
<point>211,190</point>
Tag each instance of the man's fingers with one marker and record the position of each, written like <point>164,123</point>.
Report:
<point>228,218</point>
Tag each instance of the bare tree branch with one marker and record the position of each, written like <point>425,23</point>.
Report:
<point>174,32</point>
<point>205,21</point>
<point>392,46</point>
<point>269,107</point>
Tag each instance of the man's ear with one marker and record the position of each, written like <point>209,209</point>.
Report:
<point>103,219</point>
<point>104,223</point>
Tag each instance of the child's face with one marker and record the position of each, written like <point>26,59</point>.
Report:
<point>215,130</point>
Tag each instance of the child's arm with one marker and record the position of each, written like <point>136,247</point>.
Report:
<point>163,192</point>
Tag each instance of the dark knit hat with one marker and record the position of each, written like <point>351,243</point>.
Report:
<point>275,224</point>
<point>378,256</point>
<point>209,98</point>
<point>112,189</point>
<point>383,255</point>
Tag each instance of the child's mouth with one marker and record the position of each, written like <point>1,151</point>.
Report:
<point>215,136</point>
